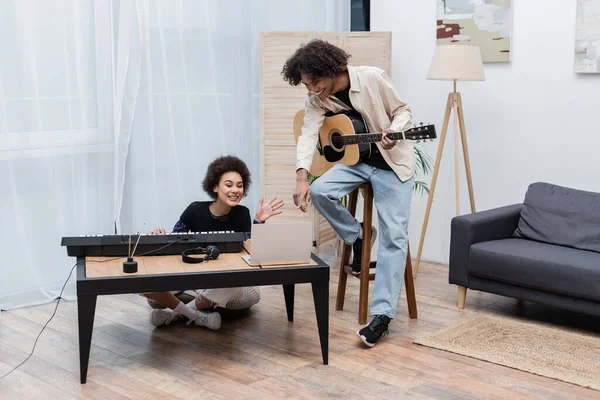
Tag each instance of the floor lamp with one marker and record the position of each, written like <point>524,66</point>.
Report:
<point>452,63</point>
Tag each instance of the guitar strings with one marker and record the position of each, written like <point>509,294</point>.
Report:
<point>360,137</point>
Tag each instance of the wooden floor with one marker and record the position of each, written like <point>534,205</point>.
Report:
<point>261,355</point>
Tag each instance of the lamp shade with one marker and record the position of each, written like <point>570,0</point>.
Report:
<point>459,62</point>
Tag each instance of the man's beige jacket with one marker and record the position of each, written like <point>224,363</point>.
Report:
<point>374,97</point>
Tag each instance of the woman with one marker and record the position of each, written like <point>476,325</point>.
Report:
<point>227,180</point>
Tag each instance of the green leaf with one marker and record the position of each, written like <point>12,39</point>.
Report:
<point>423,165</point>
<point>311,178</point>
<point>421,187</point>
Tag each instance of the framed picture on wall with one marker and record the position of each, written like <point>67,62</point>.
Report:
<point>484,23</point>
<point>587,37</point>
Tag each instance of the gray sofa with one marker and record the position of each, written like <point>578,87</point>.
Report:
<point>545,250</point>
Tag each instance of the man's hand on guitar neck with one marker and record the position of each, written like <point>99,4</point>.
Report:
<point>385,142</point>
<point>302,190</point>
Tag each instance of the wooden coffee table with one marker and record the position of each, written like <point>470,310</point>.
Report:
<point>98,276</point>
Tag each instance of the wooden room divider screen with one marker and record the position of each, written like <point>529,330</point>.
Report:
<point>279,102</point>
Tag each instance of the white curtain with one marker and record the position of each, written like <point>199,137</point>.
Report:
<point>110,111</point>
<point>190,73</point>
<point>56,145</point>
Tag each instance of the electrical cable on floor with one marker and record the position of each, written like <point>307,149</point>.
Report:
<point>60,297</point>
<point>38,336</point>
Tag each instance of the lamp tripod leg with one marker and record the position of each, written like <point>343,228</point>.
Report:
<point>456,133</point>
<point>436,170</point>
<point>463,134</point>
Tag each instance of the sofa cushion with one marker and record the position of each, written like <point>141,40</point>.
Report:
<point>560,215</point>
<point>546,267</point>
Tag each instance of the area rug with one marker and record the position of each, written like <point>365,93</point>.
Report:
<point>554,352</point>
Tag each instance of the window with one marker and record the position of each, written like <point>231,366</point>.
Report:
<point>360,15</point>
<point>55,75</point>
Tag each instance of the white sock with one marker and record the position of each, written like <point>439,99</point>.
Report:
<point>360,232</point>
<point>186,311</point>
<point>192,304</point>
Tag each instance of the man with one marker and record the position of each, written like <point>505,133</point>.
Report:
<point>334,87</point>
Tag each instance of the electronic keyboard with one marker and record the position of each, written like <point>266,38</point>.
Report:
<point>151,244</point>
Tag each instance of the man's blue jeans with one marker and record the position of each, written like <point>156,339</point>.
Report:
<point>392,200</point>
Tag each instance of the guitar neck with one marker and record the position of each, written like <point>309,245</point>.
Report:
<point>371,137</point>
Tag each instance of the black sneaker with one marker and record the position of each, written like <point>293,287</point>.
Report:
<point>357,251</point>
<point>378,328</point>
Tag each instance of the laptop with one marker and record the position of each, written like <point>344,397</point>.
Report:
<point>285,243</point>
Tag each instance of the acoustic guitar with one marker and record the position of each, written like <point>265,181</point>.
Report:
<point>344,139</point>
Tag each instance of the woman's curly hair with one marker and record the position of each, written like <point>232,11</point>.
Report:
<point>316,58</point>
<point>221,166</point>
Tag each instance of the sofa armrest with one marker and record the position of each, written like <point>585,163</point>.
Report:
<point>483,226</point>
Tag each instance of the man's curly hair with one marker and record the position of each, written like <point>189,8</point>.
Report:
<point>221,166</point>
<point>316,58</point>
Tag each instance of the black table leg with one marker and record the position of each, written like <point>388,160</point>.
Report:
<point>86,308</point>
<point>321,297</point>
<point>288,293</point>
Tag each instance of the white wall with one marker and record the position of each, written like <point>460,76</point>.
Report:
<point>533,119</point>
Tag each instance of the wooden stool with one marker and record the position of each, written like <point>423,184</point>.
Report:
<point>366,275</point>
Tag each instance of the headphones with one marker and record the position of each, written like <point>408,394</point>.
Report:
<point>212,253</point>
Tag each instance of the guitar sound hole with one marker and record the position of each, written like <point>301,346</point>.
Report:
<point>335,150</point>
<point>336,141</point>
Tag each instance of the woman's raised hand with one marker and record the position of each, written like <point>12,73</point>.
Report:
<point>266,210</point>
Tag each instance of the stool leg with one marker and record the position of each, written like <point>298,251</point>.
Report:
<point>409,283</point>
<point>345,259</point>
<point>363,301</point>
<point>341,291</point>
<point>366,255</point>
